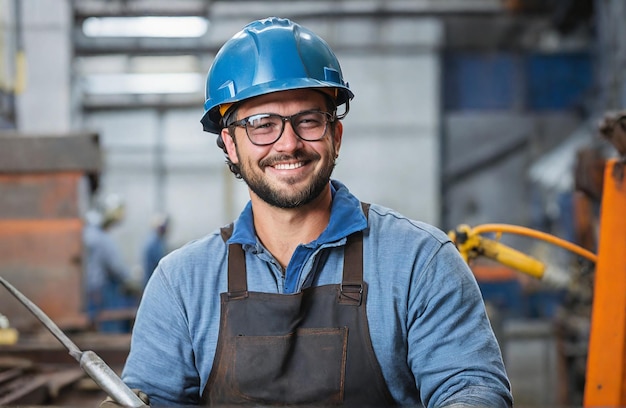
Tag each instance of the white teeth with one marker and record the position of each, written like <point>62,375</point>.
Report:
<point>288,166</point>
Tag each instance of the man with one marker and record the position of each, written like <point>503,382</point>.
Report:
<point>155,246</point>
<point>310,296</point>
<point>108,281</point>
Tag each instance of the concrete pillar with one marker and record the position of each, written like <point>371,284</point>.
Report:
<point>44,104</point>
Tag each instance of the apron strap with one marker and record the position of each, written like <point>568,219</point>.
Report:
<point>237,276</point>
<point>351,288</point>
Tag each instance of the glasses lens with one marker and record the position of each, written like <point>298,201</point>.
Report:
<point>264,128</point>
<point>310,125</point>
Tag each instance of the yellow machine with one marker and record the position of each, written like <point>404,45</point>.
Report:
<point>605,379</point>
<point>472,244</point>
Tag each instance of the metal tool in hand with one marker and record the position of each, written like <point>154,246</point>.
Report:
<point>89,361</point>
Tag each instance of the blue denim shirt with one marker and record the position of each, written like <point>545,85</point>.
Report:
<point>427,321</point>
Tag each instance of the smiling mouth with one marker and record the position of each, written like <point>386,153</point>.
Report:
<point>288,166</point>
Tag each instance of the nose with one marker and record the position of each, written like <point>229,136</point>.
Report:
<point>288,141</point>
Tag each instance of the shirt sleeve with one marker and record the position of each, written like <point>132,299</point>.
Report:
<point>453,352</point>
<point>161,359</point>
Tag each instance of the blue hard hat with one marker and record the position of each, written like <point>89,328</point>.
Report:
<point>269,55</point>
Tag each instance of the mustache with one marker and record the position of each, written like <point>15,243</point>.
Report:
<point>298,156</point>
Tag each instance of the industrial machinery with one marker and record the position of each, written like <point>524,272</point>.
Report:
<point>46,184</point>
<point>472,243</point>
<point>606,365</point>
<point>605,377</point>
<point>552,293</point>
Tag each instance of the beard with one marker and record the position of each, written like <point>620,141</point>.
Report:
<point>295,198</point>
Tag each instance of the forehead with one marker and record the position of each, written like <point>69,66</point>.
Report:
<point>284,100</point>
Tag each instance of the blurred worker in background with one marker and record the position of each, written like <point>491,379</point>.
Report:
<point>310,296</point>
<point>155,246</point>
<point>108,281</point>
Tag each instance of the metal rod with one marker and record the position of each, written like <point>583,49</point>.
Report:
<point>89,361</point>
<point>43,318</point>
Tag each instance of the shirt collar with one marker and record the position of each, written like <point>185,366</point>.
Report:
<point>346,217</point>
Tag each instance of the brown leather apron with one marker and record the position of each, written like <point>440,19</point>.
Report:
<point>312,347</point>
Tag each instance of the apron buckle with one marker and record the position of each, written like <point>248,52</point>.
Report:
<point>351,293</point>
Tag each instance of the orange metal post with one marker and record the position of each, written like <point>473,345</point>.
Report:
<point>606,362</point>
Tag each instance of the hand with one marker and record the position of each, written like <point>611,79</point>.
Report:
<point>110,403</point>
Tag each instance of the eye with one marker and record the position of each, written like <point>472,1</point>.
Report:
<point>262,121</point>
<point>310,120</point>
<point>261,124</point>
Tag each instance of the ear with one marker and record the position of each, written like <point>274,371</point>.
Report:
<point>338,136</point>
<point>231,146</point>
